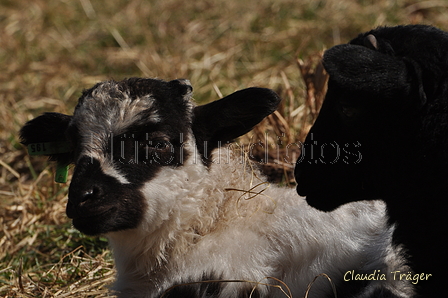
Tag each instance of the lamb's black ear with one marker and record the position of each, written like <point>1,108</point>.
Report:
<point>232,116</point>
<point>371,42</point>
<point>363,69</point>
<point>48,129</point>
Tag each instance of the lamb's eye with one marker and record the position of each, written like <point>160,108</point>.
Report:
<point>161,145</point>
<point>142,145</point>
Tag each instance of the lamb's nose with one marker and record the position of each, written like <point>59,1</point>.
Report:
<point>92,193</point>
<point>85,189</point>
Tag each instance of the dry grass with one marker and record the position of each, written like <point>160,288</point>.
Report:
<point>51,50</point>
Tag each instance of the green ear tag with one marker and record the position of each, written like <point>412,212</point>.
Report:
<point>61,173</point>
<point>48,148</point>
<point>51,148</point>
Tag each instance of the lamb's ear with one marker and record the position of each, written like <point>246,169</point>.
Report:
<point>362,69</point>
<point>45,135</point>
<point>232,116</point>
<point>182,86</point>
<point>371,42</point>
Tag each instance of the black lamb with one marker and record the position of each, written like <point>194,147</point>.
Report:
<point>382,133</point>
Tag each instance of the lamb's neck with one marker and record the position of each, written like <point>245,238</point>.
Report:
<point>191,202</point>
<point>140,254</point>
<point>189,213</point>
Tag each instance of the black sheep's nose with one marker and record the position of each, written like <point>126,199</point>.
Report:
<point>92,193</point>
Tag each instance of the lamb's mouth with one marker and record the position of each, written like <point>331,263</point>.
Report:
<point>97,223</point>
<point>86,215</point>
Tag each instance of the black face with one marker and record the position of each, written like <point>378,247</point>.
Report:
<point>382,118</point>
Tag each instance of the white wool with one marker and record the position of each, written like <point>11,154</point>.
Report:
<point>202,220</point>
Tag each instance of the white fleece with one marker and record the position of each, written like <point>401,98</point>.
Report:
<point>203,221</point>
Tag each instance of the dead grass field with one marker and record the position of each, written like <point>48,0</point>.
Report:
<point>51,50</point>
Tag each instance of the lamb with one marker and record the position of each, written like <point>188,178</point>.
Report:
<point>382,133</point>
<point>187,215</point>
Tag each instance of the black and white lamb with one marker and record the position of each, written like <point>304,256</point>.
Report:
<point>382,133</point>
<point>187,216</point>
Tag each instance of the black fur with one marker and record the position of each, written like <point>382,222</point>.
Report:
<point>382,133</point>
<point>210,286</point>
<point>49,127</point>
<point>207,287</point>
<point>224,120</point>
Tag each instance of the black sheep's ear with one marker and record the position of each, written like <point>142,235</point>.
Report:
<point>361,69</point>
<point>364,78</point>
<point>371,42</point>
<point>45,135</point>
<point>232,116</point>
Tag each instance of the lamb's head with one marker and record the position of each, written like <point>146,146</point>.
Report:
<point>124,134</point>
<point>381,129</point>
